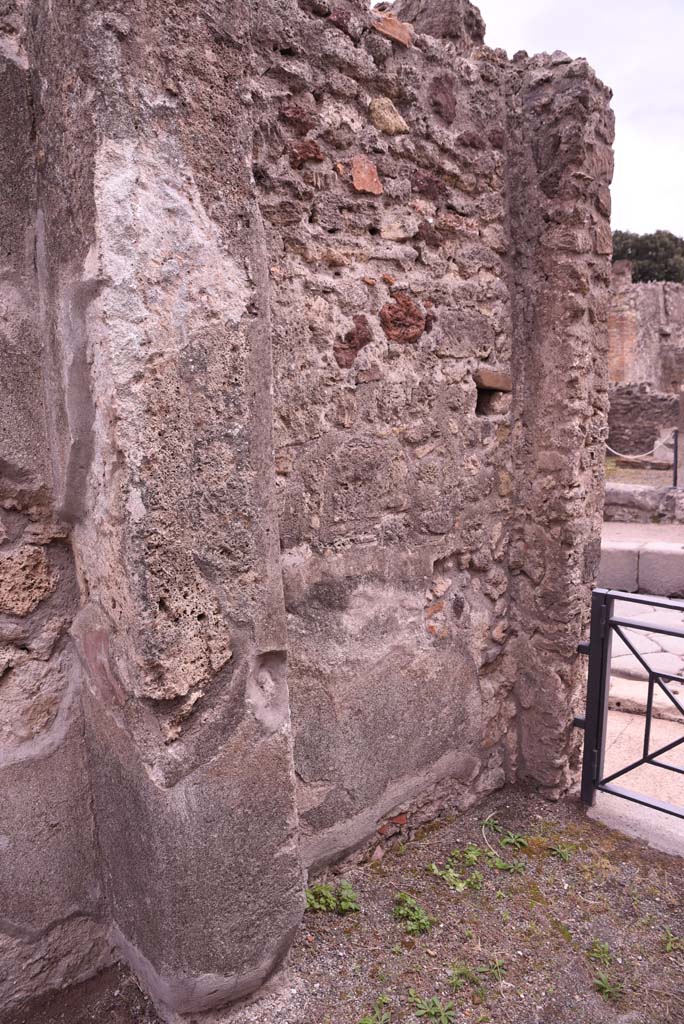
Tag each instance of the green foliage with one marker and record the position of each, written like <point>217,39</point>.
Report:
<point>515,840</point>
<point>475,880</point>
<point>431,1009</point>
<point>448,875</point>
<point>515,867</point>
<point>656,257</point>
<point>491,824</point>
<point>452,877</point>
<point>600,953</point>
<point>347,899</point>
<point>671,942</point>
<point>471,855</point>
<point>323,899</point>
<point>414,919</point>
<point>563,851</point>
<point>461,975</point>
<point>378,1015</point>
<point>611,991</point>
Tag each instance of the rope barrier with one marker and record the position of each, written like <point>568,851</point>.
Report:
<point>635,458</point>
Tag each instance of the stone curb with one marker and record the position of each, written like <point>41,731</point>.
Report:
<point>649,567</point>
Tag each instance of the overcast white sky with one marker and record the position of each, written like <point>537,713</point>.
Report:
<point>637,48</point>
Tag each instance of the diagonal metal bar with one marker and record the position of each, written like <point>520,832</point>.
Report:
<point>642,760</point>
<point>622,771</point>
<point>649,714</point>
<point>632,649</point>
<point>665,688</point>
<point>670,767</point>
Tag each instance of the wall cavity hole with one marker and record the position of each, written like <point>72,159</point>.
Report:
<point>486,404</point>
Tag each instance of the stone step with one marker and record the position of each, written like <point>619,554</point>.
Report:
<point>640,563</point>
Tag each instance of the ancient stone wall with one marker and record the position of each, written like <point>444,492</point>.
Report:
<point>646,332</point>
<point>305,312</point>
<point>638,416</point>
<point>645,359</point>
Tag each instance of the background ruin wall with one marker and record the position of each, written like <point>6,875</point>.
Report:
<point>645,359</point>
<point>304,344</point>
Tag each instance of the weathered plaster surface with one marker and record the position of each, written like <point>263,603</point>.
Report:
<point>301,465</point>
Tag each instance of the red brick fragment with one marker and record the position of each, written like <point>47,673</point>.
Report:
<point>402,320</point>
<point>306,149</point>
<point>399,31</point>
<point>346,349</point>
<point>365,175</point>
<point>399,819</point>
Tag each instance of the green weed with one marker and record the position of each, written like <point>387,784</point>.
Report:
<point>432,1009</point>
<point>563,851</point>
<point>515,840</point>
<point>600,953</point>
<point>671,942</point>
<point>611,991</point>
<point>322,898</point>
<point>415,919</point>
<point>378,1015</point>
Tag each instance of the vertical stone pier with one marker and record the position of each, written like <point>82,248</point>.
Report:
<point>303,315</point>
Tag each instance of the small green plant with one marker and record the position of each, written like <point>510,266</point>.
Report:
<point>611,991</point>
<point>415,920</point>
<point>491,824</point>
<point>471,855</point>
<point>378,1015</point>
<point>347,899</point>
<point>461,975</point>
<point>320,899</point>
<point>515,840</point>
<point>448,875</point>
<point>515,867</point>
<point>431,1009</point>
<point>497,970</point>
<point>563,851</point>
<point>600,953</point>
<point>671,942</point>
<point>323,899</point>
<point>397,949</point>
<point>475,880</point>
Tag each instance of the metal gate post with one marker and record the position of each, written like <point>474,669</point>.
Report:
<point>597,702</point>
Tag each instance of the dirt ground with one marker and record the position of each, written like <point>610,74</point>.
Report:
<point>583,909</point>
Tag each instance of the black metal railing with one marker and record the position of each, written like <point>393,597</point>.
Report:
<point>605,624</point>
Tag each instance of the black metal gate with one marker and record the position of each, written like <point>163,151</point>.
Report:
<point>605,624</point>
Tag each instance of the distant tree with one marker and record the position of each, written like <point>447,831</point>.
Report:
<point>656,257</point>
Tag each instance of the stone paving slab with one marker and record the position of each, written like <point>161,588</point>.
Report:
<point>662,653</point>
<point>630,695</point>
<point>644,557</point>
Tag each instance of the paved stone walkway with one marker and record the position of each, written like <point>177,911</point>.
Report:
<point>661,652</point>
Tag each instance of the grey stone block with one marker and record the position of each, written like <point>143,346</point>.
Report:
<point>619,565</point>
<point>661,569</point>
